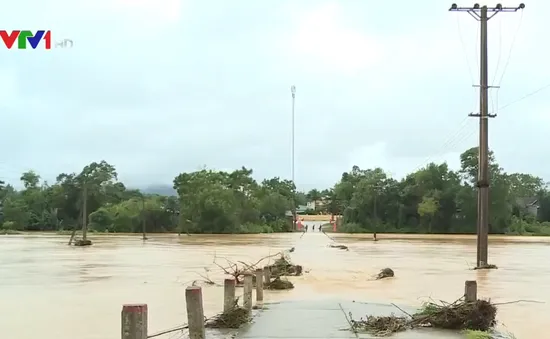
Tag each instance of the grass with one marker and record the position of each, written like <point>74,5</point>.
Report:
<point>475,334</point>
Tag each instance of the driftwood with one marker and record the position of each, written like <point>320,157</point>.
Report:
<point>281,267</point>
<point>233,318</point>
<point>284,267</point>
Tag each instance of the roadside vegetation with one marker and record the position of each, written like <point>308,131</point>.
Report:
<point>434,199</point>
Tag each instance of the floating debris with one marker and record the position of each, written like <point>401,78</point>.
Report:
<point>380,326</point>
<point>82,242</point>
<point>234,318</point>
<point>279,284</point>
<point>479,315</point>
<point>486,267</point>
<point>281,267</point>
<point>385,273</point>
<point>284,267</point>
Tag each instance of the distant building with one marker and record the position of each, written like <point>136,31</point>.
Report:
<point>529,204</point>
<point>318,204</point>
<point>299,209</point>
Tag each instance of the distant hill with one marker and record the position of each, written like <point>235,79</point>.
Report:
<point>160,189</point>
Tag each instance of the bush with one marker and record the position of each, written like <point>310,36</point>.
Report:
<point>520,226</point>
<point>310,211</point>
<point>100,220</point>
<point>250,228</point>
<point>280,226</point>
<point>9,226</point>
<point>352,228</point>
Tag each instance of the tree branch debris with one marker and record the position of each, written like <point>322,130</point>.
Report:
<point>479,315</point>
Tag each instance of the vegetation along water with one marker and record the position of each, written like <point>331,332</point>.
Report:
<point>434,199</point>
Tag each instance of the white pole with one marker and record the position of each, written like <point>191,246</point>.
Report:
<point>293,91</point>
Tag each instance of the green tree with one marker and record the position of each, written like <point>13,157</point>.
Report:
<point>427,208</point>
<point>314,195</point>
<point>432,199</point>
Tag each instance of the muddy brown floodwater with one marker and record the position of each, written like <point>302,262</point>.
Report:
<point>49,290</point>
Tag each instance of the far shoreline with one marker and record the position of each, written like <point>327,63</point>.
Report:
<point>446,237</point>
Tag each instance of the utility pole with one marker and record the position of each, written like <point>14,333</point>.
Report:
<point>294,216</point>
<point>143,220</point>
<point>85,212</point>
<point>375,214</point>
<point>483,14</point>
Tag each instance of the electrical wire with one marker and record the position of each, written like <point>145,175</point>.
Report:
<point>449,142</point>
<point>540,89</point>
<point>493,106</point>
<point>478,42</point>
<point>507,61</point>
<point>463,45</point>
<point>499,51</point>
<point>458,137</point>
<point>511,49</point>
<point>464,49</point>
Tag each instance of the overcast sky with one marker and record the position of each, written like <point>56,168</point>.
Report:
<point>158,87</point>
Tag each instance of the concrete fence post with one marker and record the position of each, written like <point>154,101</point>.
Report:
<point>195,312</point>
<point>259,286</point>
<point>247,293</point>
<point>134,321</point>
<point>470,290</point>
<point>267,275</point>
<point>228,294</point>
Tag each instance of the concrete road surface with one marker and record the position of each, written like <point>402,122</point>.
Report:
<point>326,319</point>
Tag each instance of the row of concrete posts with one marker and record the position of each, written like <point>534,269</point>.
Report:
<point>134,316</point>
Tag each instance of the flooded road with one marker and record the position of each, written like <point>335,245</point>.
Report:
<point>49,290</point>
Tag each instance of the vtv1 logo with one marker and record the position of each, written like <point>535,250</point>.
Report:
<point>22,37</point>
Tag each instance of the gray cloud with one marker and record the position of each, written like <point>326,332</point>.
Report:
<point>157,90</point>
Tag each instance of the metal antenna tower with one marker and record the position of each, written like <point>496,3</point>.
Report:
<point>293,91</point>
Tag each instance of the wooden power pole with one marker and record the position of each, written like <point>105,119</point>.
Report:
<point>143,220</point>
<point>483,14</point>
<point>84,241</point>
<point>375,213</point>
<point>85,213</point>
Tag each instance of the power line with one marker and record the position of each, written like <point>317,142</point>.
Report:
<point>507,59</point>
<point>457,137</point>
<point>507,63</point>
<point>494,107</point>
<point>464,50</point>
<point>525,97</point>
<point>449,142</point>
<point>466,56</point>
